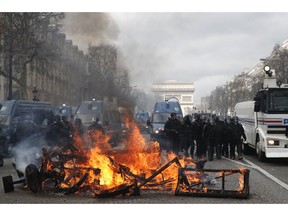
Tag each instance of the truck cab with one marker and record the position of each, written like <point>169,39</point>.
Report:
<point>265,119</point>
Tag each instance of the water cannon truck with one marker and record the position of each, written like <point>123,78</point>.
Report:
<point>265,119</point>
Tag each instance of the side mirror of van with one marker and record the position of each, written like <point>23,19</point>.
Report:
<point>148,122</point>
<point>256,106</point>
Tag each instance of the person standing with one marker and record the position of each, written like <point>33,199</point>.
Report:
<point>198,126</point>
<point>209,138</point>
<point>187,137</point>
<point>172,129</point>
<point>237,132</point>
<point>218,127</point>
<point>225,146</point>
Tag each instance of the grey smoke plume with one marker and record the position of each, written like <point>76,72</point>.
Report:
<point>90,28</point>
<point>28,151</point>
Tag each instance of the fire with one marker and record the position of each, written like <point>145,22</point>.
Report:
<point>108,177</point>
<point>241,179</point>
<point>136,156</point>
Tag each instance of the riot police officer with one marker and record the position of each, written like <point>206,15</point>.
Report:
<point>172,129</point>
<point>187,140</point>
<point>237,132</point>
<point>198,126</point>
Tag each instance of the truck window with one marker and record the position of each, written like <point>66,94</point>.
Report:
<point>90,107</point>
<point>6,108</point>
<point>160,117</point>
<point>278,100</point>
<point>167,107</point>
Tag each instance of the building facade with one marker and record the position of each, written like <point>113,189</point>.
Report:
<point>62,81</point>
<point>184,92</point>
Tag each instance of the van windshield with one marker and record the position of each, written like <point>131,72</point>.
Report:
<point>142,115</point>
<point>6,108</point>
<point>90,107</point>
<point>88,111</point>
<point>5,113</point>
<point>167,106</point>
<point>87,118</point>
<point>160,117</point>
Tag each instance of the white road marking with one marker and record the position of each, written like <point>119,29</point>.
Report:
<point>254,166</point>
<point>240,163</point>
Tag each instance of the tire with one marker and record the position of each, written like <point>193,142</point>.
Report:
<point>8,184</point>
<point>32,178</point>
<point>246,149</point>
<point>260,154</point>
<point>1,162</point>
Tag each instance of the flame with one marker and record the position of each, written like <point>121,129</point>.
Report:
<point>140,157</point>
<point>241,180</point>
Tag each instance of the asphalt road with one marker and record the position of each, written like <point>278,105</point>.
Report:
<point>276,167</point>
<point>263,190</point>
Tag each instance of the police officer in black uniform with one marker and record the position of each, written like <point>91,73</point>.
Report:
<point>237,132</point>
<point>187,139</point>
<point>209,137</point>
<point>172,129</point>
<point>218,127</point>
<point>198,126</point>
<point>225,145</point>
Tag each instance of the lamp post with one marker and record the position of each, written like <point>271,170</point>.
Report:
<point>35,94</point>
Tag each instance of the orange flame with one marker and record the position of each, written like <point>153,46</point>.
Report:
<point>241,179</point>
<point>141,157</point>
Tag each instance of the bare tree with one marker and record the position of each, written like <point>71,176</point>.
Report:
<point>278,60</point>
<point>242,88</point>
<point>105,59</point>
<point>24,40</point>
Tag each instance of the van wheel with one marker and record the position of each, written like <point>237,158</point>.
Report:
<point>32,177</point>
<point>1,162</point>
<point>246,149</point>
<point>260,154</point>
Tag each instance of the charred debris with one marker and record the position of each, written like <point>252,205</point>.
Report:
<point>104,172</point>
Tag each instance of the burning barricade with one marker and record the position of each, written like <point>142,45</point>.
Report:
<point>92,166</point>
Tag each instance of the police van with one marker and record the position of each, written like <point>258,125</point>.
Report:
<point>160,114</point>
<point>108,117</point>
<point>14,112</point>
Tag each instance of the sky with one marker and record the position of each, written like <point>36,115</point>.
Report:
<point>206,44</point>
<point>206,48</point>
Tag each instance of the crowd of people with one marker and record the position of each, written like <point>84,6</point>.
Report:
<point>210,137</point>
<point>197,137</point>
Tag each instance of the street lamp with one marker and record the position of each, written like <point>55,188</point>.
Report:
<point>35,94</point>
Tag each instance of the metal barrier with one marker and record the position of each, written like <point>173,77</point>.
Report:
<point>198,182</point>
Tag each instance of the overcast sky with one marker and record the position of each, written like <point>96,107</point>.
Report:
<point>207,49</point>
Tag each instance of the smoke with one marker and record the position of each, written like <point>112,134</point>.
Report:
<point>97,28</point>
<point>28,151</point>
<point>90,28</point>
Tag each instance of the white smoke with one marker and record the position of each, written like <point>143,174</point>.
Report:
<point>28,151</point>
